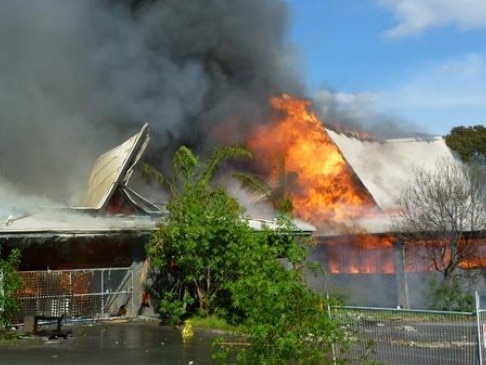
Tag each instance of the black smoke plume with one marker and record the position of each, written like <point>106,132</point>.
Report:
<point>77,77</point>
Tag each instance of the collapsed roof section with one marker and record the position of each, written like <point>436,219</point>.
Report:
<point>108,190</point>
<point>113,206</point>
<point>109,206</point>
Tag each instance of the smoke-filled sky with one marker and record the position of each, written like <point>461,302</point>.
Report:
<point>78,77</point>
<point>419,62</point>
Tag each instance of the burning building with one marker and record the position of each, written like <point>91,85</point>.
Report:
<point>111,219</point>
<point>347,185</point>
<point>107,231</point>
<point>203,72</point>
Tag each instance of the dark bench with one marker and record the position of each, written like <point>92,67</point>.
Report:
<point>31,324</point>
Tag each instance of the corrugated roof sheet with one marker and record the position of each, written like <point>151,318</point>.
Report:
<point>67,221</point>
<point>57,221</point>
<point>114,168</point>
<point>386,167</point>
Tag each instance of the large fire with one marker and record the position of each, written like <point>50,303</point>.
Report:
<point>324,189</point>
<point>375,254</point>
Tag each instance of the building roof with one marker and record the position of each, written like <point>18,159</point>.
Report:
<point>71,222</point>
<point>386,167</point>
<point>300,225</point>
<point>114,168</point>
<point>54,221</point>
<point>109,180</point>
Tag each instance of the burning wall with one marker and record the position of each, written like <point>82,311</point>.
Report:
<point>81,251</point>
<point>360,254</point>
<point>347,187</point>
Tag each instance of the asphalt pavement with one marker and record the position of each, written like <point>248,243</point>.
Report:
<point>139,342</point>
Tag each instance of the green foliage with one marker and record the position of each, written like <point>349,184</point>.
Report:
<point>450,295</point>
<point>10,282</point>
<point>192,248</point>
<point>277,195</point>
<point>172,307</point>
<point>285,321</point>
<point>253,279</point>
<point>189,172</point>
<point>468,142</point>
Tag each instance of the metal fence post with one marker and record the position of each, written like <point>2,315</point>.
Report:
<point>478,321</point>
<point>131,270</point>
<point>102,294</point>
<point>71,294</point>
<point>333,349</point>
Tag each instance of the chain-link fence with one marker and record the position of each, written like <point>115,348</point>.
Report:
<point>395,336</point>
<point>76,294</point>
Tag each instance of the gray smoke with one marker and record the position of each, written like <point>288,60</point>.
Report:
<point>360,112</point>
<point>77,77</point>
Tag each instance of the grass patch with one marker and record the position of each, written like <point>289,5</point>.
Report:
<point>14,339</point>
<point>212,323</point>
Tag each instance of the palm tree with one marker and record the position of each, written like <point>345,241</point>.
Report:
<point>277,195</point>
<point>188,170</point>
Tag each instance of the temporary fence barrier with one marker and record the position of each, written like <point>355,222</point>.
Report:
<point>77,294</point>
<point>398,336</point>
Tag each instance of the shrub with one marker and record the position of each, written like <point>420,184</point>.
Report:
<point>10,282</point>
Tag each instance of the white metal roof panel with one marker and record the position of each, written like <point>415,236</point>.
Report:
<point>55,221</point>
<point>386,167</point>
<point>113,168</point>
<point>69,221</point>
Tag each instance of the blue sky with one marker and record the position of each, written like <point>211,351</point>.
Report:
<point>419,62</point>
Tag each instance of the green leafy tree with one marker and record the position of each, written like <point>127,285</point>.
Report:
<point>468,142</point>
<point>189,247</point>
<point>213,262</point>
<point>285,321</point>
<point>10,283</point>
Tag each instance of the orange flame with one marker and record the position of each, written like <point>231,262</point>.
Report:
<point>360,254</point>
<point>324,189</point>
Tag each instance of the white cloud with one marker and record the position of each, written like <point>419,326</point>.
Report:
<point>454,82</point>
<point>442,95</point>
<point>431,100</point>
<point>415,16</point>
